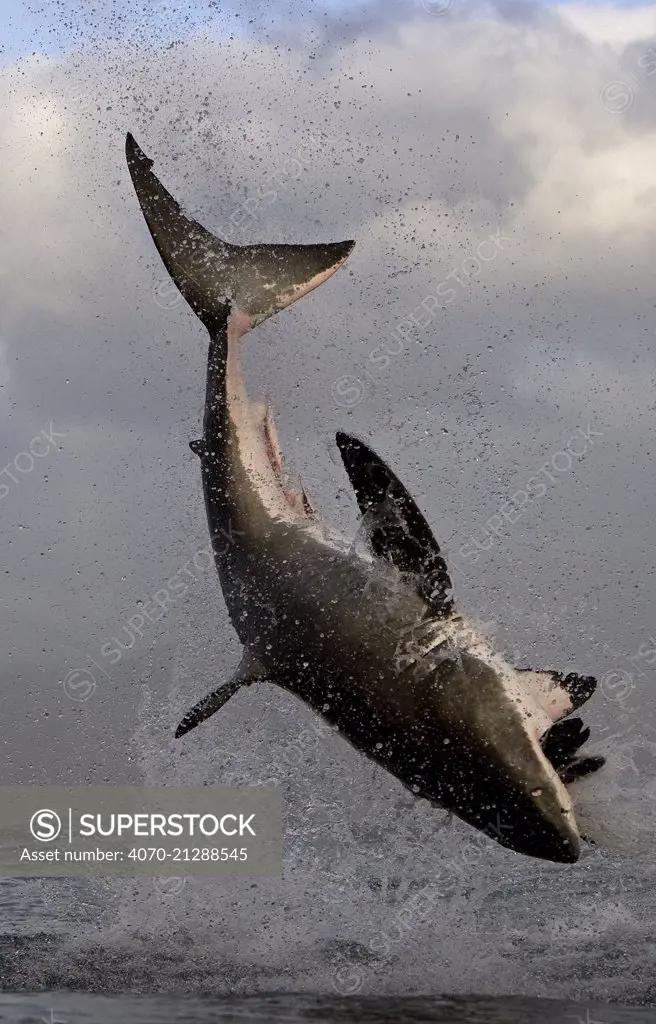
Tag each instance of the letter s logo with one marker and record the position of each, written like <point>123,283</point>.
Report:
<point>45,825</point>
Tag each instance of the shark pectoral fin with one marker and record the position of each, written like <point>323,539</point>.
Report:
<point>556,694</point>
<point>561,744</point>
<point>207,707</point>
<point>249,671</point>
<point>398,532</point>
<point>579,768</point>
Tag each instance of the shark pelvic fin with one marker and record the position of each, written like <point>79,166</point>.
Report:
<point>217,277</point>
<point>399,532</point>
<point>308,506</point>
<point>249,671</point>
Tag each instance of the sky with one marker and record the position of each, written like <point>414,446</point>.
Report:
<point>61,25</point>
<point>523,135</point>
<point>491,336</point>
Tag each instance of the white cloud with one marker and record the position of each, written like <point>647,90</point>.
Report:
<point>615,26</point>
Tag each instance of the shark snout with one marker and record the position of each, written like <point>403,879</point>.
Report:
<point>549,832</point>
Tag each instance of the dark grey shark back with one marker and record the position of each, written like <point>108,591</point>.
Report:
<point>216,277</point>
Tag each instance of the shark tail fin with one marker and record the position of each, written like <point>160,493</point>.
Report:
<point>216,277</point>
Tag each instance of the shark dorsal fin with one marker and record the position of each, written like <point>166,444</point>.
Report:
<point>248,671</point>
<point>398,531</point>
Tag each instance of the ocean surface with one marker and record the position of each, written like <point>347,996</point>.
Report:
<point>291,1009</point>
<point>382,898</point>
<point>341,935</point>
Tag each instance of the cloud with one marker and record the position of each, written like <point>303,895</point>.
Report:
<point>611,25</point>
<point>419,156</point>
<point>423,137</point>
<point>419,135</point>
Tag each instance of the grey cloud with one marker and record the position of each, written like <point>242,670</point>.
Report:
<point>434,136</point>
<point>443,132</point>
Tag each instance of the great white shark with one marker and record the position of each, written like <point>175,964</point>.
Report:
<point>370,640</point>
